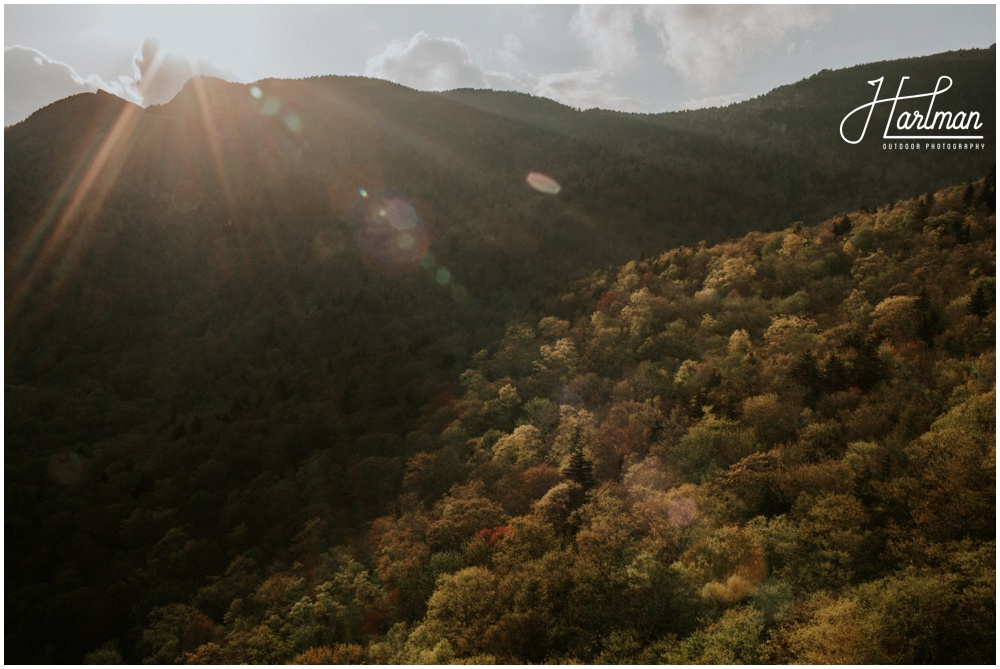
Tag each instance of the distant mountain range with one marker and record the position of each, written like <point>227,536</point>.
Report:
<point>281,176</point>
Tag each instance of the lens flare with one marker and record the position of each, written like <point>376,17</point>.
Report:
<point>270,107</point>
<point>400,215</point>
<point>256,93</point>
<point>543,183</point>
<point>682,511</point>
<point>389,233</point>
<point>293,122</point>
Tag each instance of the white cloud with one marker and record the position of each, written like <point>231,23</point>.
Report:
<point>606,31</point>
<point>706,44</point>
<point>504,81</point>
<point>427,63</point>
<point>709,43</point>
<point>32,80</point>
<point>584,89</point>
<point>159,75</point>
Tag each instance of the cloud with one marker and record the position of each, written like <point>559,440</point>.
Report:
<point>709,43</point>
<point>504,81</point>
<point>32,80</point>
<point>511,43</point>
<point>442,63</point>
<point>584,89</point>
<point>427,63</point>
<point>606,32</point>
<point>159,75</point>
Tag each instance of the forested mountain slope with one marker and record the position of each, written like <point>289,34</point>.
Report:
<point>239,325</point>
<point>780,449</point>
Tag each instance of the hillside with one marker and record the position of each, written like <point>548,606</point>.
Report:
<point>723,454</point>
<point>240,325</point>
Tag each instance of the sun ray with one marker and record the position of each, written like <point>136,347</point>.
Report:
<point>212,135</point>
<point>63,234</point>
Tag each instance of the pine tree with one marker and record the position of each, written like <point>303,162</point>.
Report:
<point>579,469</point>
<point>982,298</point>
<point>835,373</point>
<point>867,368</point>
<point>968,197</point>
<point>842,227</point>
<point>805,369</point>
<point>806,372</point>
<point>928,319</point>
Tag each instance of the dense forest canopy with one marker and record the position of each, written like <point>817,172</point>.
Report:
<point>312,371</point>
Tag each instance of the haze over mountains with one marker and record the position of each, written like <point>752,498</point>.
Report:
<point>202,296</point>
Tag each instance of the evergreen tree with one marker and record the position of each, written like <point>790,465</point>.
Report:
<point>842,227</point>
<point>835,373</point>
<point>867,369</point>
<point>928,319</point>
<point>579,469</point>
<point>988,194</point>
<point>968,197</point>
<point>806,372</point>
<point>982,300</point>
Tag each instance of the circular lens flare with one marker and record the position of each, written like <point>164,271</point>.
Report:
<point>389,233</point>
<point>401,215</point>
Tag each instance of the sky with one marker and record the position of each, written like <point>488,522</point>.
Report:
<point>638,58</point>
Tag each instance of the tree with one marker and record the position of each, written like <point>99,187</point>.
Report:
<point>806,372</point>
<point>623,435</point>
<point>106,654</point>
<point>896,318</point>
<point>842,226</point>
<point>736,638</point>
<point>821,630</point>
<point>463,512</point>
<point>983,298</point>
<point>867,369</point>
<point>519,449</point>
<point>712,443</point>
<point>463,607</point>
<point>929,323</point>
<point>174,630</point>
<point>951,474</point>
<point>579,470</point>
